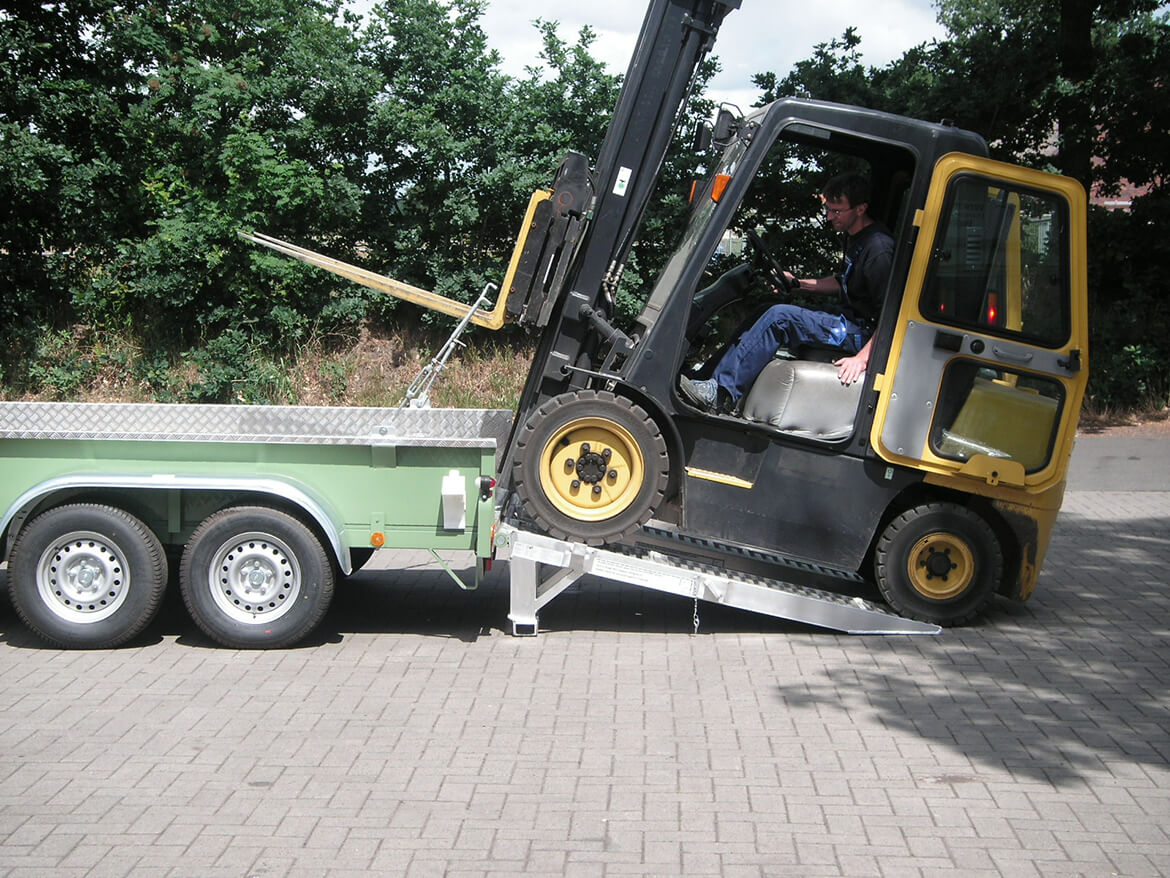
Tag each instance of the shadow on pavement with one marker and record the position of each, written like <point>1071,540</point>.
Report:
<point>1071,681</point>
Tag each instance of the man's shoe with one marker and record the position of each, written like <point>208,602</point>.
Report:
<point>701,394</point>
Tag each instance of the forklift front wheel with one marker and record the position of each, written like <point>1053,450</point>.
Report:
<point>939,562</point>
<point>590,466</point>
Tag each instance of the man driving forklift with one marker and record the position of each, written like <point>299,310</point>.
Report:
<point>847,327</point>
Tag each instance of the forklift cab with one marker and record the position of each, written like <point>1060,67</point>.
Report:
<point>984,269</point>
<point>959,432</point>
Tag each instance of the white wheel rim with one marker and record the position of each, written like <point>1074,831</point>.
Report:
<point>83,577</point>
<point>254,578</point>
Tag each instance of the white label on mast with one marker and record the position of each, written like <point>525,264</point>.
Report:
<point>622,182</point>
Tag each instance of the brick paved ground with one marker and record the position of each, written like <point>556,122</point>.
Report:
<point>414,737</point>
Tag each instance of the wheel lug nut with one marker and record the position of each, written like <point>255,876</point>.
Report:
<point>607,454</point>
<point>613,473</point>
<point>576,484</point>
<point>596,490</point>
<point>584,447</point>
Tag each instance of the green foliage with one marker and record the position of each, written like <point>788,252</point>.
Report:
<point>137,141</point>
<point>232,367</point>
<point>138,147</point>
<point>63,363</point>
<point>60,367</point>
<point>1130,311</point>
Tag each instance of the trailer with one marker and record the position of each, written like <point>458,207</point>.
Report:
<point>260,508</point>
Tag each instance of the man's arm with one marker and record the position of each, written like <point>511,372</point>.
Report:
<point>815,284</point>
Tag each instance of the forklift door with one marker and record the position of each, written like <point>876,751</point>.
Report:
<point>987,365</point>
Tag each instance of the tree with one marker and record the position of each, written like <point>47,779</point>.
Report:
<point>1068,70</point>
<point>60,152</point>
<point>458,148</point>
<point>138,140</point>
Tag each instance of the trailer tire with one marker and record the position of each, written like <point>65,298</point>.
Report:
<point>590,466</point>
<point>87,576</point>
<point>255,578</point>
<point>938,562</point>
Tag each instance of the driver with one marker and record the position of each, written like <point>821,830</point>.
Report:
<point>846,325</point>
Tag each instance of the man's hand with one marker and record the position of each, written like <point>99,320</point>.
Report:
<point>850,369</point>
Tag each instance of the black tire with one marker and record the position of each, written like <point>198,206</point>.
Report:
<point>87,576</point>
<point>590,466</point>
<point>939,562</point>
<point>255,578</point>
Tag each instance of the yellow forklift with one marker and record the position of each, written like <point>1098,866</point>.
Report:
<point>937,477</point>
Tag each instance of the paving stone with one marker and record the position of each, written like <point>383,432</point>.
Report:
<point>413,736</point>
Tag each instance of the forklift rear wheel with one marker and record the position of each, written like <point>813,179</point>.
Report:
<point>87,576</point>
<point>939,562</point>
<point>255,578</point>
<point>590,466</point>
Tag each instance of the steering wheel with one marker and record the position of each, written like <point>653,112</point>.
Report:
<point>768,263</point>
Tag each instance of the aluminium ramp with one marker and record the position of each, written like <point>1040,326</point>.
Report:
<point>564,562</point>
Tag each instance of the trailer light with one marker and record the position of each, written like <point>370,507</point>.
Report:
<point>486,485</point>
<point>377,539</point>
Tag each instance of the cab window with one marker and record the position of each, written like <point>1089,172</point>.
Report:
<point>999,265</point>
<point>998,412</point>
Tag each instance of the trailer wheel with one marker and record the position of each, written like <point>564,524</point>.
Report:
<point>87,576</point>
<point>939,562</point>
<point>590,466</point>
<point>255,578</point>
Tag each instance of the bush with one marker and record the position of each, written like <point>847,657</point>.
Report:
<point>1129,313</point>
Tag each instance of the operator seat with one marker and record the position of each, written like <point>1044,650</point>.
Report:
<point>804,398</point>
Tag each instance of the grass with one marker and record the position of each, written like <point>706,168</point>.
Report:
<point>371,366</point>
<point>1151,418</point>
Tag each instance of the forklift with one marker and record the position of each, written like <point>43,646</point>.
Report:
<point>937,477</point>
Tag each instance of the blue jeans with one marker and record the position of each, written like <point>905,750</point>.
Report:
<point>782,325</point>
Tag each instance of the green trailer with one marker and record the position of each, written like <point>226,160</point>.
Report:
<point>261,508</point>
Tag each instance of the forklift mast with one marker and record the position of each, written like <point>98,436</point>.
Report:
<point>581,235</point>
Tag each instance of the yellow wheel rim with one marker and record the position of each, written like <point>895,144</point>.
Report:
<point>592,469</point>
<point>940,566</point>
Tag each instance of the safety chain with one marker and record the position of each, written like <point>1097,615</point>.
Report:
<point>695,615</point>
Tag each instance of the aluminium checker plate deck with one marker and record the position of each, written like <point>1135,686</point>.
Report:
<point>569,561</point>
<point>312,425</point>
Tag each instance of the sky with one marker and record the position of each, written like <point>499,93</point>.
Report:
<point>761,35</point>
